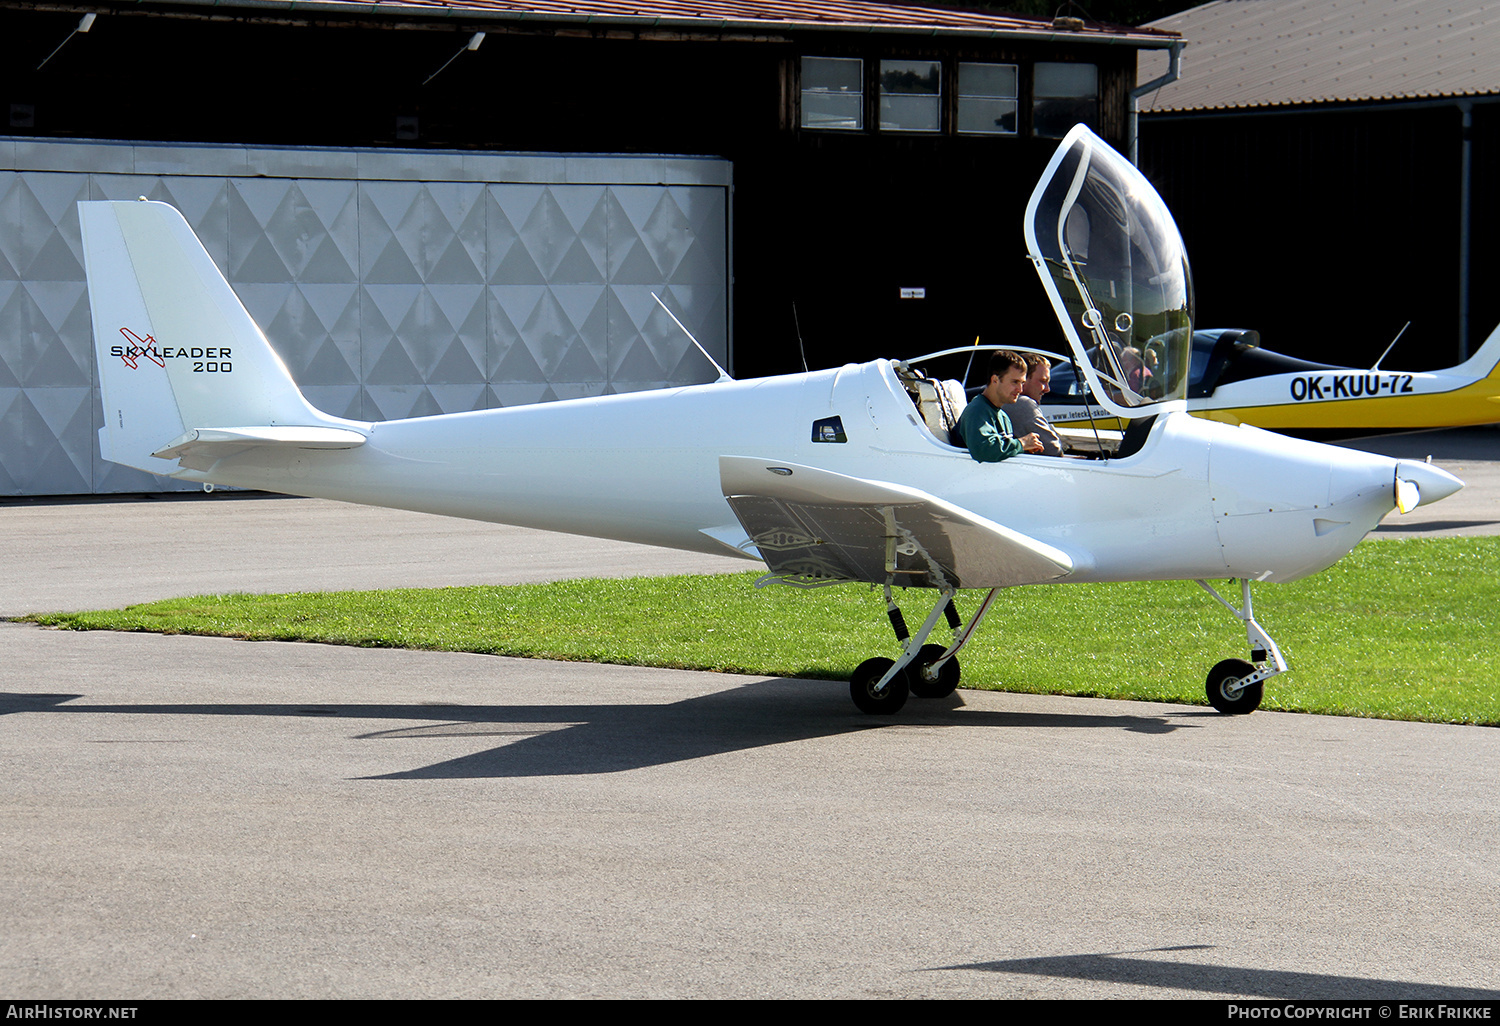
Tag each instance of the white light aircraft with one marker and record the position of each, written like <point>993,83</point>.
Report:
<point>829,476</point>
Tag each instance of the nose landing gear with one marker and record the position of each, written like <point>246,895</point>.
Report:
<point>1235,686</point>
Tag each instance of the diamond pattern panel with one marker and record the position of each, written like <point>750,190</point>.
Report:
<point>631,241</point>
<point>386,299</point>
<point>46,341</point>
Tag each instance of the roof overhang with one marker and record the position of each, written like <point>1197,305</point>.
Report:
<point>750,19</point>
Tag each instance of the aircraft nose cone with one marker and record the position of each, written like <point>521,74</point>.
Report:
<point>1433,483</point>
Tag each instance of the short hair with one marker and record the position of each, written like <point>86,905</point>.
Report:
<point>1035,360</point>
<point>1003,360</point>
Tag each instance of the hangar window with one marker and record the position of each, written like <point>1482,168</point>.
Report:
<point>833,93</point>
<point>911,94</point>
<point>1064,95</point>
<point>987,98</point>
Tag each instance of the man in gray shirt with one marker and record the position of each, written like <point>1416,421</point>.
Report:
<point>1025,414</point>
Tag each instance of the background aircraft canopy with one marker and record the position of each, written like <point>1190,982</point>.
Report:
<point>1112,261</point>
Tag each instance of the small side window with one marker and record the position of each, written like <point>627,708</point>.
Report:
<point>1065,95</point>
<point>987,99</point>
<point>829,429</point>
<point>833,93</point>
<point>911,95</point>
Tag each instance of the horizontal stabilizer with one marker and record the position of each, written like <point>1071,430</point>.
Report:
<point>816,524</point>
<point>216,443</point>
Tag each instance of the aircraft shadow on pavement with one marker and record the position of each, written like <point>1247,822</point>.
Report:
<point>559,740</point>
<point>1271,984</point>
<point>1431,525</point>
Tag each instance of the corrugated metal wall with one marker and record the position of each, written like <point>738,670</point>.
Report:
<point>393,283</point>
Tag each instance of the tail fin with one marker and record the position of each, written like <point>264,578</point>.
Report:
<point>178,354</point>
<point>1485,363</point>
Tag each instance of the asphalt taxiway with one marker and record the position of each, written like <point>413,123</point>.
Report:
<point>199,817</point>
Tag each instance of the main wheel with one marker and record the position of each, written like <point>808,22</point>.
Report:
<point>925,683</point>
<point>880,701</point>
<point>1224,693</point>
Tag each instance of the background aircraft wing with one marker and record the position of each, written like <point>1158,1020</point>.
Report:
<point>811,524</point>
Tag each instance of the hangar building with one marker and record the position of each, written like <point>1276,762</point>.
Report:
<point>443,205</point>
<point>1333,168</point>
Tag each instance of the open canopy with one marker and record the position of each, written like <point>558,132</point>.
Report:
<point>1112,261</point>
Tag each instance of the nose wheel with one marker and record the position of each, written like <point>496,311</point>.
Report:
<point>1227,690</point>
<point>1235,686</point>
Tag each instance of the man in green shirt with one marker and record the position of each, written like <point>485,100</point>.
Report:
<point>984,426</point>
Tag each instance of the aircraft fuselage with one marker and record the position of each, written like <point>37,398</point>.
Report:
<point>643,467</point>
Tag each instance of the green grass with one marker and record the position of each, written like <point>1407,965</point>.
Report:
<point>1398,629</point>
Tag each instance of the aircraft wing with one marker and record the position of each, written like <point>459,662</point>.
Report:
<point>816,525</point>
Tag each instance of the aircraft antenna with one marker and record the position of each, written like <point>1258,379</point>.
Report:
<point>970,365</point>
<point>723,374</point>
<point>1392,345</point>
<point>800,347</point>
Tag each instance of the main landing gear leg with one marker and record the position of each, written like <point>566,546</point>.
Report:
<point>881,685</point>
<point>1234,685</point>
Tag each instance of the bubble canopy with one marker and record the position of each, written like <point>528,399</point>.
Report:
<point>1113,264</point>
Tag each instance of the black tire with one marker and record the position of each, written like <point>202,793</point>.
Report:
<point>888,700</point>
<point>1224,676</point>
<point>925,686</point>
